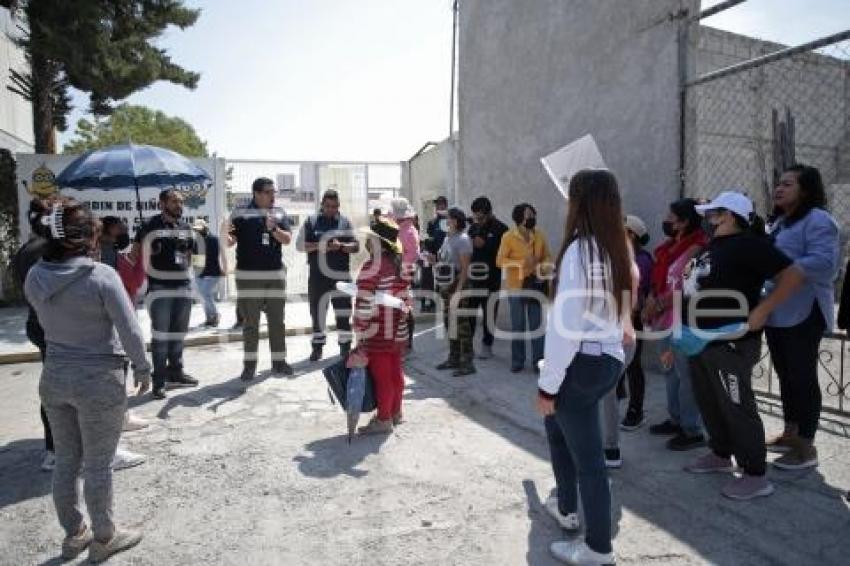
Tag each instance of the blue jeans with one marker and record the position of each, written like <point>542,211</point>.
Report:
<point>526,315</point>
<point>681,403</point>
<point>169,309</point>
<point>207,288</point>
<point>575,444</point>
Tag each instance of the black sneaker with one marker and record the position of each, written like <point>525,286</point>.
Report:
<point>180,381</point>
<point>159,393</point>
<point>282,368</point>
<point>683,441</point>
<point>248,371</point>
<point>516,369</point>
<point>633,420</point>
<point>667,428</point>
<point>613,458</point>
<point>316,355</point>
<point>465,370</point>
<point>448,364</point>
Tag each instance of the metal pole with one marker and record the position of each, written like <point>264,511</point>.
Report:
<point>771,57</point>
<point>454,65</point>
<point>718,8</point>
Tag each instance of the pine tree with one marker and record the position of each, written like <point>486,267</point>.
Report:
<point>100,47</point>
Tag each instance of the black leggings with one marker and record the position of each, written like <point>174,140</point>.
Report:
<point>35,333</point>
<point>794,351</point>
<point>635,376</point>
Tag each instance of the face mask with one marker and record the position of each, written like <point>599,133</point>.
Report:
<point>710,229</point>
<point>530,223</point>
<point>667,228</point>
<point>122,241</point>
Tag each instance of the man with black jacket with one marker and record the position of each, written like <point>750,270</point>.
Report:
<point>436,232</point>
<point>486,233</point>
<point>328,240</point>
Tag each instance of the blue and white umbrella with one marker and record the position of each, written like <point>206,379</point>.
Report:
<point>130,165</point>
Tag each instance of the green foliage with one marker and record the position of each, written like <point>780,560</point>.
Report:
<point>105,48</point>
<point>137,124</point>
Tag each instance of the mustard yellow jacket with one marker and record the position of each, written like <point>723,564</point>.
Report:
<point>513,252</point>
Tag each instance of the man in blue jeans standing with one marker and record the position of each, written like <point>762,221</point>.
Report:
<point>166,243</point>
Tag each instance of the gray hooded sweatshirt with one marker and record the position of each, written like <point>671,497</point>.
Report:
<point>84,311</point>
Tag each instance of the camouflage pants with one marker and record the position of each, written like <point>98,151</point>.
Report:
<point>458,329</point>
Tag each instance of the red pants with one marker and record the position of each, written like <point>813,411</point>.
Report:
<point>387,373</point>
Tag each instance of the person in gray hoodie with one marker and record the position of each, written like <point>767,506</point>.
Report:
<point>90,330</point>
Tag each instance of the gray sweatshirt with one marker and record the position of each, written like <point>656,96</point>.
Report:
<point>84,310</point>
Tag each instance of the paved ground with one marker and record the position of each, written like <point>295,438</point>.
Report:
<point>263,475</point>
<point>15,347</point>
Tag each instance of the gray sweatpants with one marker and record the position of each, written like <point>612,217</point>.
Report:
<point>610,409</point>
<point>85,404</point>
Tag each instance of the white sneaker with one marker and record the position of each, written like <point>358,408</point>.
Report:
<point>133,423</point>
<point>577,552</point>
<point>49,462</point>
<point>569,522</point>
<point>125,459</point>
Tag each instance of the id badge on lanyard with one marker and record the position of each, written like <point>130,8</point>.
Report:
<point>266,239</point>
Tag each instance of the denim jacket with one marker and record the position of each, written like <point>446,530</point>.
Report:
<point>812,243</point>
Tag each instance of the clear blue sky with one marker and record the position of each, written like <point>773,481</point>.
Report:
<point>359,79</point>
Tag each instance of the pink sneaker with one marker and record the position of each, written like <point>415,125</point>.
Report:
<point>710,463</point>
<point>747,487</point>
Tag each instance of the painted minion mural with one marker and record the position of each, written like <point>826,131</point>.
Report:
<point>43,183</point>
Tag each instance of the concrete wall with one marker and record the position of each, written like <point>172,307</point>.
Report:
<point>429,175</point>
<point>16,133</point>
<point>535,75</point>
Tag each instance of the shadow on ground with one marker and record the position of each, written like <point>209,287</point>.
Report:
<point>332,457</point>
<point>652,486</point>
<point>18,481</point>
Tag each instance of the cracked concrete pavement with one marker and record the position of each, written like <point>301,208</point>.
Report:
<point>263,475</point>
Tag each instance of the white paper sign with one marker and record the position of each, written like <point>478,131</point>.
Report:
<point>562,164</point>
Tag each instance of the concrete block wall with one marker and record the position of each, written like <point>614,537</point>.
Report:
<point>534,76</point>
<point>733,122</point>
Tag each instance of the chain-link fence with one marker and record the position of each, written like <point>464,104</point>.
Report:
<point>752,108</point>
<point>749,114</point>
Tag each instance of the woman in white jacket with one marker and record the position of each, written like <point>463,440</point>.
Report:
<point>583,358</point>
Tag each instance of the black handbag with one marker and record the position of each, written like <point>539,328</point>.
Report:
<point>336,375</point>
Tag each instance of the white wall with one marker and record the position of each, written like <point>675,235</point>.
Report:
<point>16,132</point>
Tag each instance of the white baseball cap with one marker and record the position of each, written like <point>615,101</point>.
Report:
<point>636,225</point>
<point>733,201</point>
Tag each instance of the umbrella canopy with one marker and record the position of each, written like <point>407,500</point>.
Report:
<point>130,165</point>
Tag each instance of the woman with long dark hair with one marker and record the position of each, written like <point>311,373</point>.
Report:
<point>583,358</point>
<point>88,324</point>
<point>807,234</point>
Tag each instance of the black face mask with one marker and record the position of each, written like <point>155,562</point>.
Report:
<point>667,228</point>
<point>122,241</point>
<point>530,223</point>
